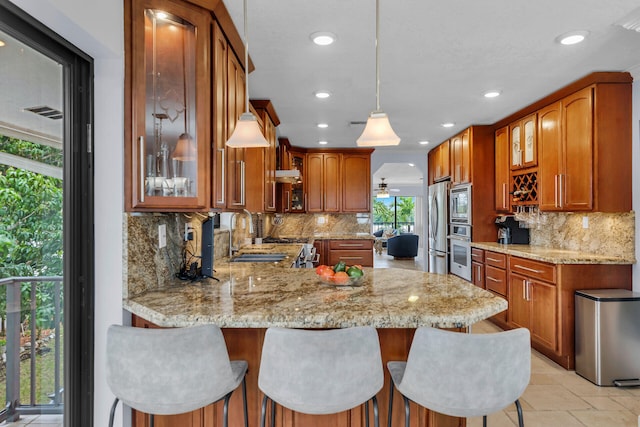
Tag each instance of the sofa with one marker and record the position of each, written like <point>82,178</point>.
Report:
<point>403,246</point>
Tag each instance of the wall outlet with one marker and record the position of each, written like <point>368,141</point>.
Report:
<point>188,231</point>
<point>321,219</point>
<point>162,235</point>
<point>585,222</point>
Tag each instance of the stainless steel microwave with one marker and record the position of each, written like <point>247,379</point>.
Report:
<point>460,204</point>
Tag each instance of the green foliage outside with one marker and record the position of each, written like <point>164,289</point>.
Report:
<point>31,243</point>
<point>394,211</point>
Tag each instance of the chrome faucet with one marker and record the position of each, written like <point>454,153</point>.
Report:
<point>232,248</point>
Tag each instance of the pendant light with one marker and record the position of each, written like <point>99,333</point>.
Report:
<point>247,133</point>
<point>378,131</point>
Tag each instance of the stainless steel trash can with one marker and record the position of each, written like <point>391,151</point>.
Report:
<point>607,336</point>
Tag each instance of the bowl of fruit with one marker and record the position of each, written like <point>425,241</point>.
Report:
<point>340,274</point>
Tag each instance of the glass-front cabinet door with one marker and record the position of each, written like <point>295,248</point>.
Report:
<point>170,141</point>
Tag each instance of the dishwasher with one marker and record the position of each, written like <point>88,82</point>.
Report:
<point>607,336</point>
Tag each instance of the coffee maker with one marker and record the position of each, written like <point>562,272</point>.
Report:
<point>509,231</point>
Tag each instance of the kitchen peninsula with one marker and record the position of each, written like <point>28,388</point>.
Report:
<point>251,297</point>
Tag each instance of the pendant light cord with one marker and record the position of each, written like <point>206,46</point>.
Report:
<point>377,57</point>
<point>246,59</point>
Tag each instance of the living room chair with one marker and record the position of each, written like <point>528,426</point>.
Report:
<point>403,246</point>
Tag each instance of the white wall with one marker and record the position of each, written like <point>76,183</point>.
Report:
<point>97,27</point>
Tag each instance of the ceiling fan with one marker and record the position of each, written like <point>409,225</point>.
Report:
<point>382,192</point>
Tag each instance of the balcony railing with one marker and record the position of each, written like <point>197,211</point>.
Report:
<point>404,227</point>
<point>21,296</point>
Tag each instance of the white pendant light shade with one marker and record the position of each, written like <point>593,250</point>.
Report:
<point>247,133</point>
<point>378,132</point>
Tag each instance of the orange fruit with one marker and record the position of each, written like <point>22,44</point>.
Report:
<point>327,272</point>
<point>341,277</point>
<point>320,268</point>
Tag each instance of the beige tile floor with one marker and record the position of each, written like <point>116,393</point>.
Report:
<point>555,397</point>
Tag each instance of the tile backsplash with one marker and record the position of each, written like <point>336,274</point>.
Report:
<point>607,233</point>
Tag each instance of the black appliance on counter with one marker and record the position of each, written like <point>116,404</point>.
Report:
<point>207,246</point>
<point>509,231</point>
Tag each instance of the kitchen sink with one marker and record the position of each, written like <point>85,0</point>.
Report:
<point>259,257</point>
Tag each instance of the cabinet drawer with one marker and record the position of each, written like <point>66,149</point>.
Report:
<point>477,255</point>
<point>350,245</point>
<point>495,259</point>
<point>533,269</point>
<point>356,257</point>
<point>496,280</point>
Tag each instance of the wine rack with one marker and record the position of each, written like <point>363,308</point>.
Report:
<point>524,189</point>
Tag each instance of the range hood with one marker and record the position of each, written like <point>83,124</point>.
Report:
<point>290,176</point>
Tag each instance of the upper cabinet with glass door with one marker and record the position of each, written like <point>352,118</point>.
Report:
<point>523,143</point>
<point>169,140</point>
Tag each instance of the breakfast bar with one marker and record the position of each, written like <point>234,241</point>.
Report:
<point>251,297</point>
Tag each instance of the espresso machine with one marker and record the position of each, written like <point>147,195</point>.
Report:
<point>510,232</point>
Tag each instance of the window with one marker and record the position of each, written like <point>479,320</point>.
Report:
<point>396,212</point>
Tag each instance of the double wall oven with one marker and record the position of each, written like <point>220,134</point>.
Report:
<point>460,231</point>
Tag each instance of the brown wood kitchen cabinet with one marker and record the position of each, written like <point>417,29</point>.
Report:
<point>220,60</point>
<point>261,162</point>
<point>460,158</point>
<point>351,252</point>
<point>502,172</point>
<point>477,267</point>
<point>322,182</point>
<point>236,173</point>
<point>495,280</point>
<point>522,143</point>
<point>533,300</point>
<point>583,139</point>
<point>165,99</point>
<point>356,181</point>
<point>439,164</point>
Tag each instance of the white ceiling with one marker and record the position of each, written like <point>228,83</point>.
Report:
<point>437,58</point>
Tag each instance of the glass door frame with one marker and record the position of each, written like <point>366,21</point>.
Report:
<point>78,202</point>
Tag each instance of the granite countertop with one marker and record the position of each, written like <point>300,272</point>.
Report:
<point>551,255</point>
<point>255,295</point>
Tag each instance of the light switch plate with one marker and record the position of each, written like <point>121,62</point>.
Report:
<point>162,235</point>
<point>585,222</point>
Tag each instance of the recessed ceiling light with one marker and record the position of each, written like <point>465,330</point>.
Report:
<point>322,94</point>
<point>1,43</point>
<point>572,37</point>
<point>492,94</point>
<point>322,142</point>
<point>425,142</point>
<point>411,164</point>
<point>323,38</point>
<point>448,125</point>
<point>323,125</point>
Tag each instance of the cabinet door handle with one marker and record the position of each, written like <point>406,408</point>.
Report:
<point>242,183</point>
<point>493,259</point>
<point>222,176</point>
<point>524,290</point>
<point>142,157</point>
<point>555,190</point>
<point>350,257</point>
<point>351,245</point>
<point>504,195</point>
<point>494,279</point>
<point>528,269</point>
<point>286,209</point>
<point>560,191</point>
<point>273,195</point>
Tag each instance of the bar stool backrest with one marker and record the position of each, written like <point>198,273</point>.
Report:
<point>321,372</point>
<point>168,371</point>
<point>467,375</point>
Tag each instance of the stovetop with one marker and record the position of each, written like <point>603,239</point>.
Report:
<point>285,240</point>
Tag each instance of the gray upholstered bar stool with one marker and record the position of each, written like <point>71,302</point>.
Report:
<point>320,372</point>
<point>171,371</point>
<point>463,375</point>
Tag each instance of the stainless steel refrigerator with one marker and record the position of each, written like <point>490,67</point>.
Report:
<point>438,245</point>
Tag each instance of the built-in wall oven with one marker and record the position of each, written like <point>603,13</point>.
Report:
<point>460,250</point>
<point>460,204</point>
